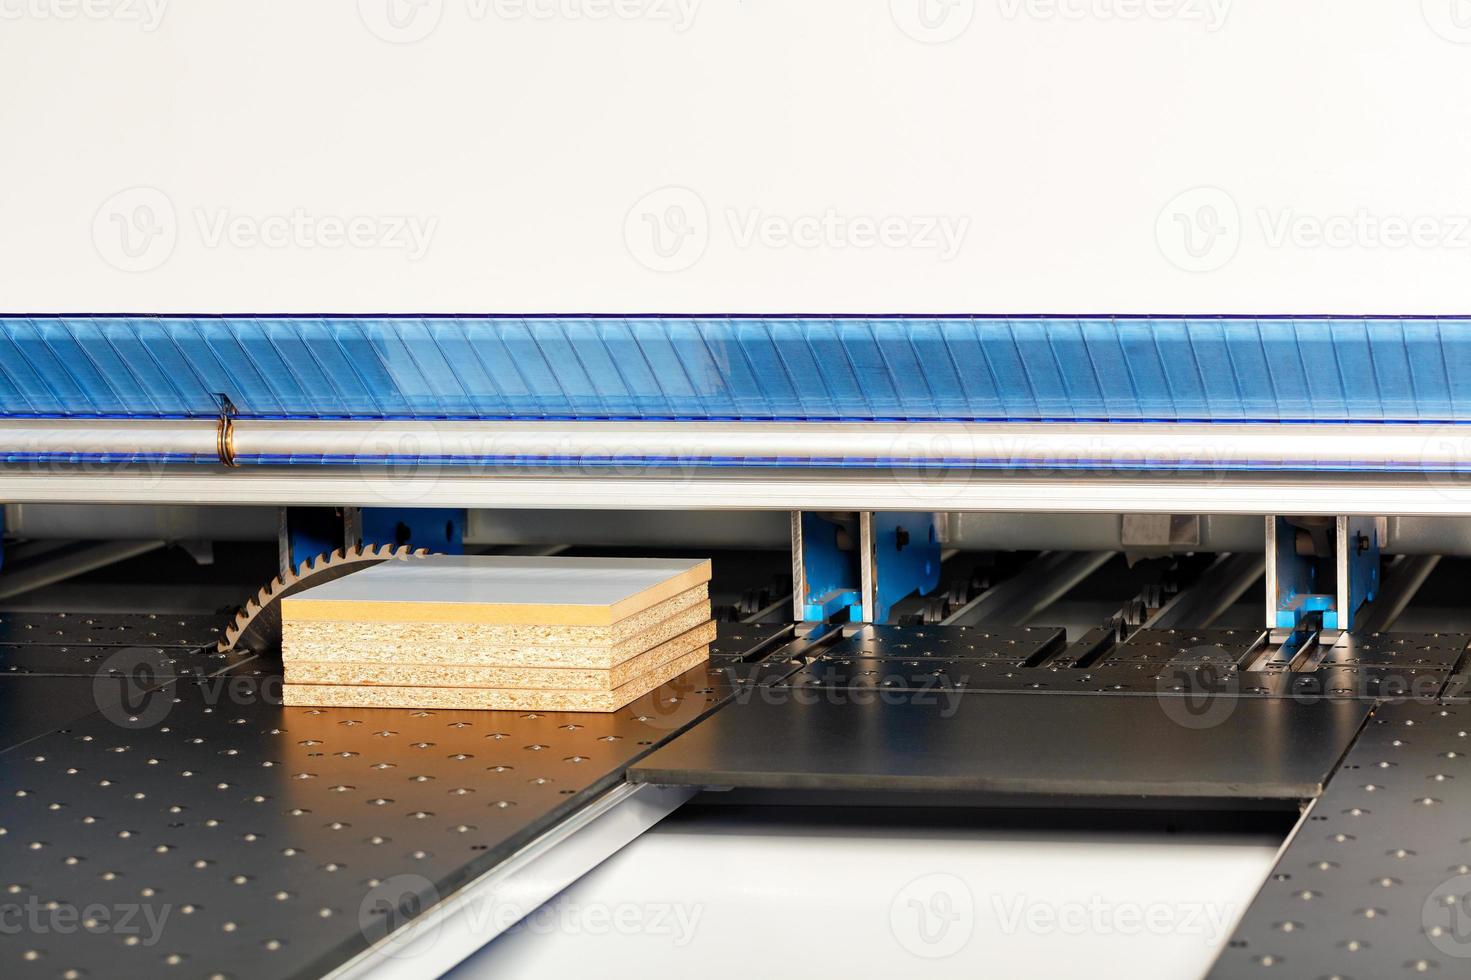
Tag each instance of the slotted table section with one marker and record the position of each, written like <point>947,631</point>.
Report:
<point>1376,882</point>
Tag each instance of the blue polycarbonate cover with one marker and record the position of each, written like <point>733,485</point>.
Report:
<point>973,368</point>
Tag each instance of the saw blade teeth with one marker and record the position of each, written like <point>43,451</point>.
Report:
<point>332,564</point>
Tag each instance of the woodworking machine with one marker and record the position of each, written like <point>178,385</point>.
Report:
<point>935,538</point>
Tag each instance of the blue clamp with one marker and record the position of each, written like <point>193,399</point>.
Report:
<point>827,572</point>
<point>1328,589</point>
<point>903,552</point>
<point>857,567</point>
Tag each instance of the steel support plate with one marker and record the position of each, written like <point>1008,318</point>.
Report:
<point>1255,748</point>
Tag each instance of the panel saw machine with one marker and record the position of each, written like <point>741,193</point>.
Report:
<point>935,538</point>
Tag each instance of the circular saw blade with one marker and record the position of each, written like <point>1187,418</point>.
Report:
<point>257,626</point>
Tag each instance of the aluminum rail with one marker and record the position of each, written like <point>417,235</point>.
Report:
<point>628,488</point>
<point>449,932</point>
<point>1023,446</point>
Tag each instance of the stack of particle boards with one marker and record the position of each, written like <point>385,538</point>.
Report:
<point>522,633</point>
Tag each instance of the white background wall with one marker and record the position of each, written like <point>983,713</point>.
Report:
<point>184,155</point>
<point>720,899</point>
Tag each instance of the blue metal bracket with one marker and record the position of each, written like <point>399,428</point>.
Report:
<point>439,529</point>
<point>306,532</point>
<point>826,571</point>
<point>1326,590</point>
<point>901,557</point>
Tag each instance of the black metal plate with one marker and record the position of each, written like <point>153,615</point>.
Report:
<point>1207,646</point>
<point>1405,650</point>
<point>110,629</point>
<point>945,741</point>
<point>1455,687</point>
<point>265,837</point>
<point>1376,882</point>
<point>1017,645</point>
<point>32,707</point>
